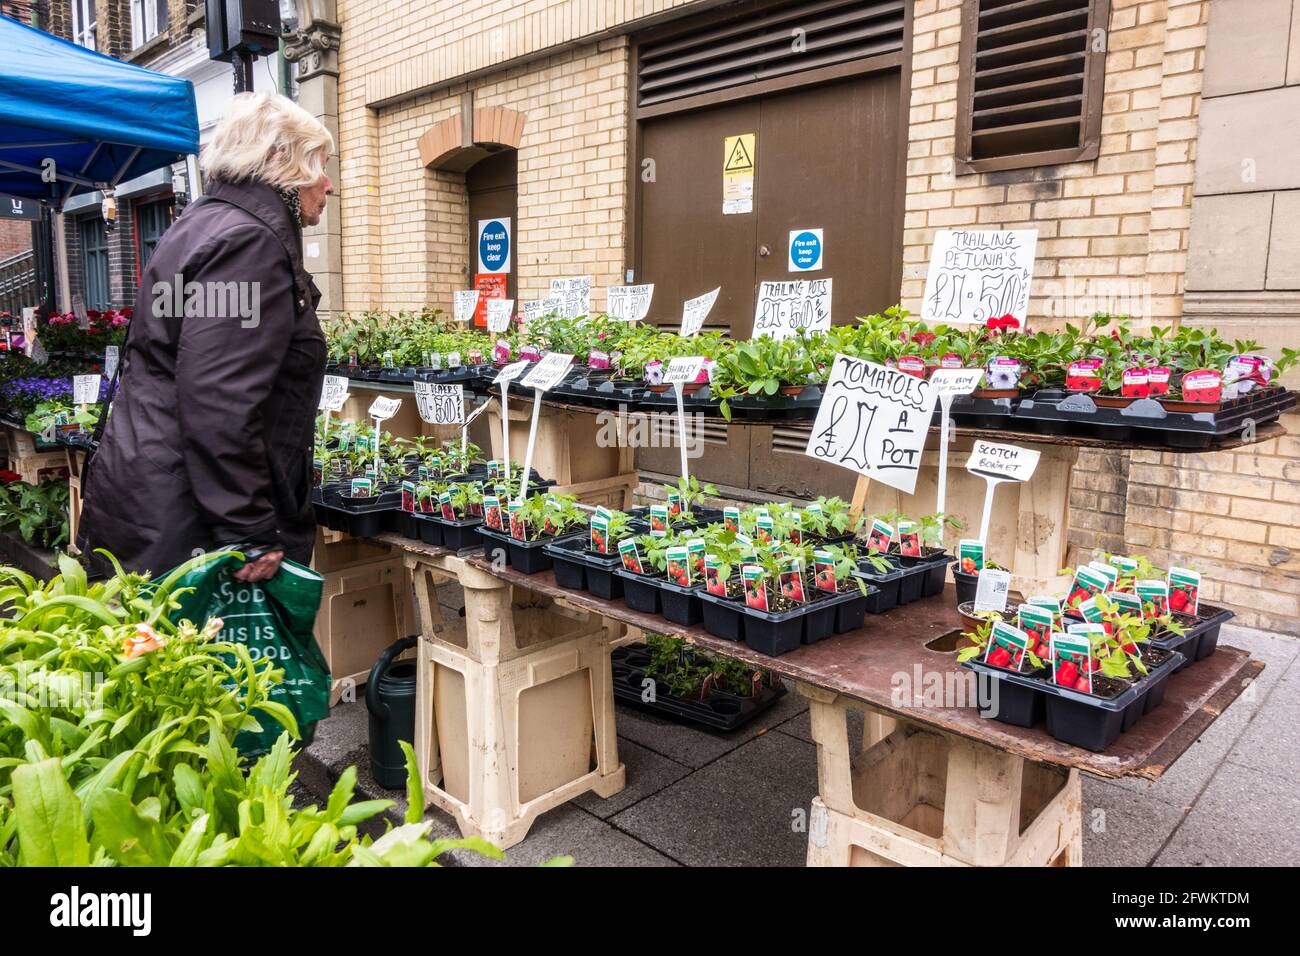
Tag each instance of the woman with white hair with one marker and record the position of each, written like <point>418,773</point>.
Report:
<point>209,440</point>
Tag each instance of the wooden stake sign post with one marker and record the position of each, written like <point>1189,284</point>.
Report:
<point>503,379</point>
<point>948,382</point>
<point>872,420</point>
<point>997,464</point>
<point>546,374</point>
<point>680,373</point>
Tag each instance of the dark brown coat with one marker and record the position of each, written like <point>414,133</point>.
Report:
<point>209,442</point>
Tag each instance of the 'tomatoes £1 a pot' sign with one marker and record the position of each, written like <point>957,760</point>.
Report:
<point>873,420</point>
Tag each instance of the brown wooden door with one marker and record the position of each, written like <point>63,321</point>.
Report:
<point>826,157</point>
<point>493,187</point>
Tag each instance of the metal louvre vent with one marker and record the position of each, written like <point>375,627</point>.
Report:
<point>789,439</point>
<point>661,431</point>
<point>1029,74</point>
<point>787,38</point>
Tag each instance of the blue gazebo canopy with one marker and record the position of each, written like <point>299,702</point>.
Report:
<point>102,121</point>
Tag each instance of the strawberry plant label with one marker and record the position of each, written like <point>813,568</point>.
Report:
<point>873,420</point>
<point>1202,385</point>
<point>1154,595</point>
<point>518,528</point>
<point>755,590</point>
<point>991,593</point>
<point>881,535</point>
<point>970,556</point>
<point>731,518</point>
<point>909,538</point>
<point>1072,655</point>
<point>627,550</point>
<point>695,311</point>
<point>1087,582</point>
<point>1007,647</point>
<point>629,303</point>
<point>1184,591</point>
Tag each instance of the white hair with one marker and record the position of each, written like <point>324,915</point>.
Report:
<point>267,137</point>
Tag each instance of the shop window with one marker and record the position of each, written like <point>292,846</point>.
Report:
<point>83,23</point>
<point>94,263</point>
<point>148,19</point>
<point>151,221</point>
<point>1031,82</point>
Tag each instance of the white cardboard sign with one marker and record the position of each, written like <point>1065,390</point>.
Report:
<point>782,308</point>
<point>1002,462</point>
<point>384,408</point>
<point>549,371</point>
<point>683,371</point>
<point>511,372</point>
<point>696,310</point>
<point>333,393</point>
<point>463,303</point>
<point>536,308</point>
<point>991,592</point>
<point>978,274</point>
<point>947,383</point>
<point>629,303</point>
<point>575,295</point>
<point>873,420</point>
<point>85,389</point>
<point>499,312</point>
<point>440,404</point>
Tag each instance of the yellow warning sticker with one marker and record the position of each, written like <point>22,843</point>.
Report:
<point>738,174</point>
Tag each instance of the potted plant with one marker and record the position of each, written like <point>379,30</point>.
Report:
<point>659,573</point>
<point>588,562</point>
<point>534,523</point>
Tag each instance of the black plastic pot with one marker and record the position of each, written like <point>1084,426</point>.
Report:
<point>885,587</point>
<point>967,585</point>
<point>578,569</point>
<point>722,617</point>
<point>850,614</point>
<point>1007,697</point>
<point>1203,630</point>
<point>1094,724</point>
<point>527,557</point>
<point>638,593</point>
<point>459,535</point>
<point>819,622</point>
<point>719,710</point>
<point>773,633</point>
<point>430,531</point>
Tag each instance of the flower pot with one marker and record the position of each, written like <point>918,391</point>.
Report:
<point>430,531</point>
<point>966,611</point>
<point>722,616</point>
<point>1095,723</point>
<point>1114,401</point>
<point>638,593</point>
<point>459,535</point>
<point>967,585</point>
<point>527,557</point>
<point>578,568</point>
<point>1008,697</point>
<point>791,389</point>
<point>885,585</point>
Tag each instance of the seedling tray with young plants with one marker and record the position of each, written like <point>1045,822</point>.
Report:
<point>588,563</point>
<point>669,679</point>
<point>540,520</point>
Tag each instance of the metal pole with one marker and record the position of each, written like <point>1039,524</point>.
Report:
<point>243,62</point>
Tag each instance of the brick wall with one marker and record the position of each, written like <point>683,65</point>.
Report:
<point>1115,223</point>
<point>15,237</point>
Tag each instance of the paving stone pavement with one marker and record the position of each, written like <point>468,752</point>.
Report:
<point>697,798</point>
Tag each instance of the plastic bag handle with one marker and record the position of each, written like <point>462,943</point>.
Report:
<point>377,671</point>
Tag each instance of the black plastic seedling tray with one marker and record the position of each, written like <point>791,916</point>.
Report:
<point>578,569</point>
<point>1006,700</point>
<point>1054,411</point>
<point>638,593</point>
<point>526,557</point>
<point>430,531</point>
<point>1201,639</point>
<point>976,412</point>
<point>720,710</point>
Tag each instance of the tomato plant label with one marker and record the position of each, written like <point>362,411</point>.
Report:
<point>873,420</point>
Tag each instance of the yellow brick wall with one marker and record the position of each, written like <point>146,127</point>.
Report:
<point>1115,224</point>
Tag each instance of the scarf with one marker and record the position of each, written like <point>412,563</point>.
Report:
<point>290,197</point>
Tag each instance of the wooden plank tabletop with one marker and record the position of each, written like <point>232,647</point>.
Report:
<point>866,665</point>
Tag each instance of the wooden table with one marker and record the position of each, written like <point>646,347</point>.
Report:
<point>931,784</point>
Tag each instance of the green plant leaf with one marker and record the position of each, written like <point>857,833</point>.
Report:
<point>51,830</point>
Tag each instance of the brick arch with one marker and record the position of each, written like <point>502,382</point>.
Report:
<point>462,139</point>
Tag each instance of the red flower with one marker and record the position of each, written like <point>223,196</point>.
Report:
<point>9,477</point>
<point>1002,323</point>
<point>923,338</point>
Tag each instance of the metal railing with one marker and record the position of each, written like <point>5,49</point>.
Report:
<point>18,282</point>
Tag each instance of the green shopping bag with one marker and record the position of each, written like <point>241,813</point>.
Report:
<point>273,619</point>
